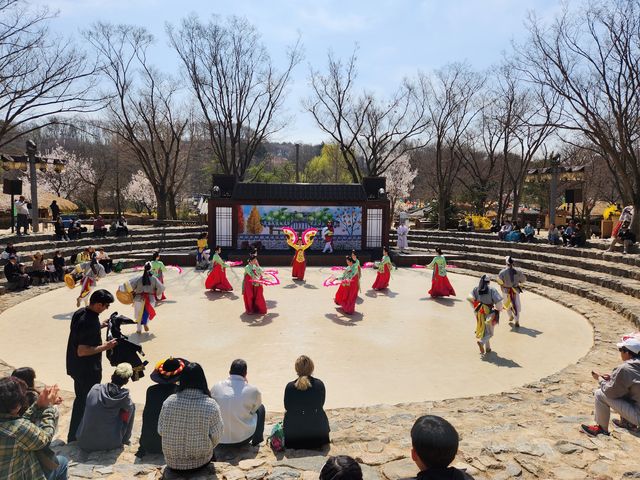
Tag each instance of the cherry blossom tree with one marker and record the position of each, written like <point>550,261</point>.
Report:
<point>67,183</point>
<point>399,181</point>
<point>139,192</point>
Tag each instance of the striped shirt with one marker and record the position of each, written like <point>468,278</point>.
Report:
<point>191,426</point>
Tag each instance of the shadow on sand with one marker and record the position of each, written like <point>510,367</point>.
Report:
<point>214,295</point>
<point>493,357</point>
<point>63,316</point>
<point>344,319</point>
<point>381,293</point>
<point>254,320</point>
<point>531,332</point>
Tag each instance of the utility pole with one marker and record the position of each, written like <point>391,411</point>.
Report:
<point>297,163</point>
<point>553,190</point>
<point>31,156</point>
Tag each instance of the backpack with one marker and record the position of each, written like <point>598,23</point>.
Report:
<point>118,267</point>
<point>276,439</point>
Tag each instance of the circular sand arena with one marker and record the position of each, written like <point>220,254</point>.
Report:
<point>400,346</point>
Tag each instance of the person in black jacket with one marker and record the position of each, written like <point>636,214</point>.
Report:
<point>305,423</point>
<point>434,445</point>
<point>14,273</point>
<point>166,375</point>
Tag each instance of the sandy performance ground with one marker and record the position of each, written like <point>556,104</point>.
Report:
<point>400,346</point>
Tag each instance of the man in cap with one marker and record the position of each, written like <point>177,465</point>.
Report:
<point>15,275</point>
<point>619,391</point>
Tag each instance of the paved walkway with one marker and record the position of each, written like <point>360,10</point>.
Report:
<point>400,346</point>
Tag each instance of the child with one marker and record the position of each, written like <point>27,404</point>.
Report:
<point>434,445</point>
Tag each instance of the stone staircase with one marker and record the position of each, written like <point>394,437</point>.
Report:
<point>608,278</point>
<point>130,250</point>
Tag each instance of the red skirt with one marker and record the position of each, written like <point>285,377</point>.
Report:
<point>440,286</point>
<point>382,279</point>
<point>347,295</point>
<point>217,280</point>
<point>253,295</point>
<point>298,268</point>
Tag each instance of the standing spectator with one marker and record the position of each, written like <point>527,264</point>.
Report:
<point>166,375</point>
<point>554,235</point>
<point>21,437</point>
<point>99,227</point>
<point>28,376</point>
<point>529,233</point>
<point>84,353</point>
<point>341,467</point>
<point>538,225</point>
<point>104,260</point>
<point>58,227</point>
<point>22,215</point>
<point>434,445</point>
<point>190,423</point>
<point>403,234</point>
<point>305,423</point>
<point>108,414</point>
<point>619,391</point>
<point>17,279</point>
<point>241,407</point>
<point>55,210</point>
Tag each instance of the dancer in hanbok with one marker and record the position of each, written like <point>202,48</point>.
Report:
<point>217,278</point>
<point>511,281</point>
<point>144,290</point>
<point>299,244</point>
<point>252,289</point>
<point>440,286</point>
<point>384,271</point>
<point>347,293</point>
<point>157,270</point>
<point>487,303</point>
<point>403,233</point>
<point>91,272</point>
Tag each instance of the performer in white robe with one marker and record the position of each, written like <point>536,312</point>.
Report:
<point>511,281</point>
<point>91,271</point>
<point>145,289</point>
<point>486,303</point>
<point>403,232</point>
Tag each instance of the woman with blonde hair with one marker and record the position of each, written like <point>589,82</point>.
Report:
<point>305,423</point>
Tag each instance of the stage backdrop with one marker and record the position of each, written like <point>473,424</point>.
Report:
<point>263,223</point>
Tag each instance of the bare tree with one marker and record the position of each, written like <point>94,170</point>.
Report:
<point>40,75</point>
<point>591,59</point>
<point>143,110</point>
<point>452,108</point>
<point>372,133</point>
<point>235,84</point>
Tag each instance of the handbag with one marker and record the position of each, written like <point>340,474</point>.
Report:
<point>47,459</point>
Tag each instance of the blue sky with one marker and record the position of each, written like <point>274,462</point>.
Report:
<point>396,38</point>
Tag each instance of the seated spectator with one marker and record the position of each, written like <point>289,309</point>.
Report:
<point>61,233</point>
<point>568,231</point>
<point>619,391</point>
<point>241,408</point>
<point>529,233</point>
<point>28,376</point>
<point>470,226</point>
<point>505,230</point>
<point>305,423</point>
<point>341,467</point>
<point>119,227</point>
<point>515,235</point>
<point>99,227</point>
<point>578,237</point>
<point>108,413</point>
<point>625,236</point>
<point>8,251</point>
<point>554,235</point>
<point>434,445</point>
<point>58,264</point>
<point>38,269</point>
<point>462,225</point>
<point>166,375</point>
<point>190,423</point>
<point>495,228</point>
<point>83,256</point>
<point>17,279</point>
<point>21,437</point>
<point>104,260</point>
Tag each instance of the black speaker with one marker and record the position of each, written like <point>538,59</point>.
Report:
<point>372,186</point>
<point>12,187</point>
<point>225,184</point>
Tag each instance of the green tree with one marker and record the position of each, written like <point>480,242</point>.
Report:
<point>328,167</point>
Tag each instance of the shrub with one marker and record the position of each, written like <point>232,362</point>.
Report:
<point>479,222</point>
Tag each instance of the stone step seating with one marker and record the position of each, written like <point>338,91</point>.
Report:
<point>609,280</point>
